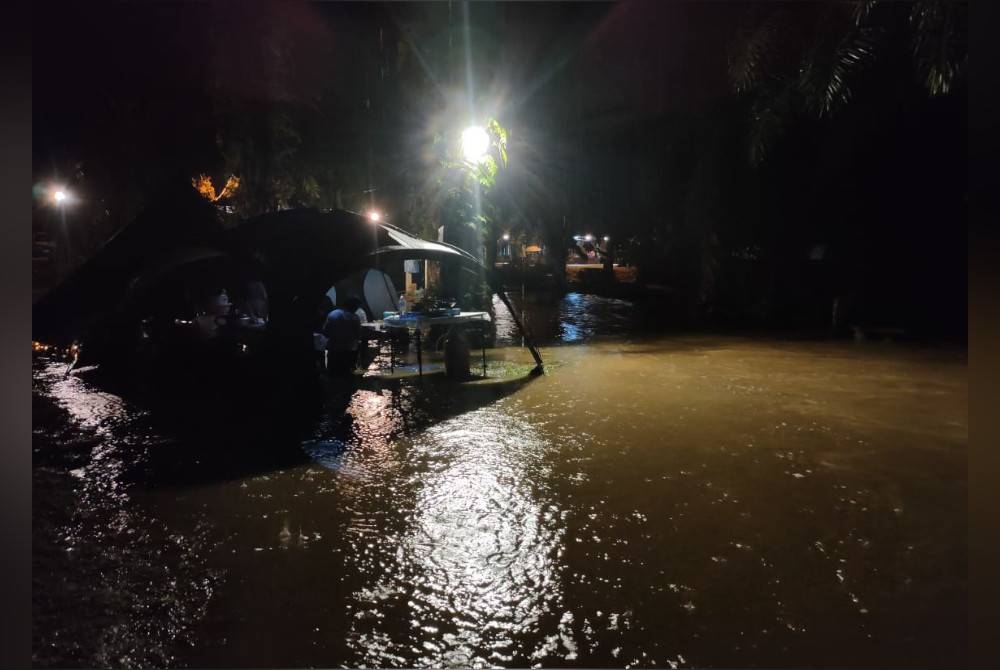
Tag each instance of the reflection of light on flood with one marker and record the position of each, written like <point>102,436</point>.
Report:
<point>573,322</point>
<point>581,317</point>
<point>328,453</point>
<point>478,557</point>
<point>350,442</point>
<point>149,582</point>
<point>506,328</point>
<point>93,409</point>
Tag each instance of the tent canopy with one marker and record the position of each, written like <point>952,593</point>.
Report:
<point>306,251</point>
<point>175,222</point>
<point>299,254</point>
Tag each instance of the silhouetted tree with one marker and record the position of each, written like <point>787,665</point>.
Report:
<point>807,59</point>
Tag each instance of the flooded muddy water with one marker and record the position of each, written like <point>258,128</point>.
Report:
<point>654,501</point>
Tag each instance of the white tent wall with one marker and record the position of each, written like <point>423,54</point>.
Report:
<point>375,289</point>
<point>380,294</point>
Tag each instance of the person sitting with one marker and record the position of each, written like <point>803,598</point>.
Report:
<point>343,332</point>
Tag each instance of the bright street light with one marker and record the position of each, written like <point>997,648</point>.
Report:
<point>475,143</point>
<point>506,236</point>
<point>60,195</point>
<point>374,216</point>
<point>607,239</point>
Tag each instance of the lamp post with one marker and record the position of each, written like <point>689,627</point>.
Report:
<point>473,147</point>
<point>61,198</point>
<point>374,216</point>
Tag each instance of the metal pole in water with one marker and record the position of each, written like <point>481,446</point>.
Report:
<point>482,339</point>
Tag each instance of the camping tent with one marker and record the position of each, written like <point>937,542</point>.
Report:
<point>375,288</point>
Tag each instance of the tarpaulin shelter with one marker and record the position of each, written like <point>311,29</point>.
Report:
<point>297,254</point>
<point>304,252</point>
<point>178,227</point>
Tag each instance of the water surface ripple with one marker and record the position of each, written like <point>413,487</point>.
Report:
<point>655,502</point>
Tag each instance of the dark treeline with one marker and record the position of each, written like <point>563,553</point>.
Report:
<point>762,161</point>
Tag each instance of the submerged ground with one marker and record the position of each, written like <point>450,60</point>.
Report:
<point>654,500</point>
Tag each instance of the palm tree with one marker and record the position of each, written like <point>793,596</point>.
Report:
<point>804,60</point>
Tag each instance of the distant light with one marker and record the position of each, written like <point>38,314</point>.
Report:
<point>506,236</point>
<point>475,142</point>
<point>607,239</point>
<point>60,196</point>
<point>374,216</point>
<point>588,237</point>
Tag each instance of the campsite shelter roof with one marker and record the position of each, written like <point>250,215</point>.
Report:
<point>295,252</point>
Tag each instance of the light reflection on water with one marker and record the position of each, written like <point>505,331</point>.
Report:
<point>478,558</point>
<point>666,502</point>
<point>135,584</point>
<point>575,318</point>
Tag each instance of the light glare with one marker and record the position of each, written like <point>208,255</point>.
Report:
<point>475,142</point>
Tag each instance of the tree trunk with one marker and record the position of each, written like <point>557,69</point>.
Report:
<point>492,230</point>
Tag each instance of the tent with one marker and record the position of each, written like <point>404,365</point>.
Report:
<point>375,288</point>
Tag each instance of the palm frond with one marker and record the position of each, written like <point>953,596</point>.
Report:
<point>826,73</point>
<point>862,10</point>
<point>753,53</point>
<point>939,52</point>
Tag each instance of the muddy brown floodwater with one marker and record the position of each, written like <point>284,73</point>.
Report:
<point>662,500</point>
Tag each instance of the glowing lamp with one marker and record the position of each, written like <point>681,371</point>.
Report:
<point>475,142</point>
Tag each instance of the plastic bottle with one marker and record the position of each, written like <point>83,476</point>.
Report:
<point>402,304</point>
